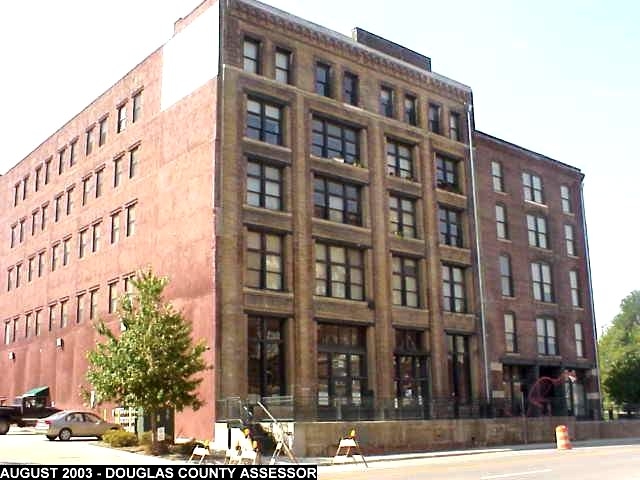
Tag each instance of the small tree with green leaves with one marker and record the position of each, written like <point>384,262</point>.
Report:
<point>153,363</point>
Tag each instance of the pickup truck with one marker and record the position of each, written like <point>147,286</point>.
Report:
<point>26,409</point>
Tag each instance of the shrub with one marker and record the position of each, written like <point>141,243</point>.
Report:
<point>120,438</point>
<point>145,438</point>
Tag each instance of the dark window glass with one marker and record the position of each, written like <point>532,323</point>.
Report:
<point>339,272</point>
<point>399,159</point>
<point>264,122</point>
<point>121,124</point>
<point>506,279</point>
<point>89,141</point>
<point>402,214</point>
<point>137,107</point>
<point>266,349</point>
<point>333,140</point>
<point>73,152</point>
<point>386,102</point>
<point>434,118</point>
<point>459,370</point>
<point>102,134</point>
<point>450,227</point>
<point>454,126</point>
<point>453,289</point>
<point>264,185</point>
<point>350,88</point>
<point>410,110</point>
<point>134,153</point>
<point>323,79</point>
<point>447,176</point>
<point>336,201</point>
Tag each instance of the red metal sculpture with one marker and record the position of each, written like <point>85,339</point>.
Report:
<point>539,394</point>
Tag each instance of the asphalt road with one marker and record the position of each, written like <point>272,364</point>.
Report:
<point>621,462</point>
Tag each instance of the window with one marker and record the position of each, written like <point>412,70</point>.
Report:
<point>510,336</point>
<point>61,160</point>
<point>350,88</point>
<point>18,274</point>
<point>264,122</point>
<point>66,251</point>
<point>447,174</point>
<point>542,283</point>
<point>283,66</point>
<point>31,268</point>
<point>137,107</point>
<point>113,297</point>
<point>36,183</point>
<point>40,263</point>
<point>405,281</point>
<point>38,323</point>
<point>339,272</point>
<point>453,289</point>
<point>80,307</point>
<point>450,227</point>
<point>333,140</point>
<point>13,235</point>
<point>410,368</point>
<point>95,237</point>
<point>133,162</point>
<point>7,332</point>
<point>121,124</point>
<point>399,159</point>
<point>574,284</point>
<point>386,102</point>
<point>502,228</point>
<point>25,184</point>
<point>128,283</point>
<point>546,329</point>
<point>117,170</point>
<point>73,152</point>
<point>115,227</point>
<point>52,316</point>
<point>402,213</point>
<point>410,110</point>
<point>336,201</point>
<point>537,230</point>
<point>99,175</point>
<point>265,263</point>
<point>264,185</point>
<point>93,304</point>
<point>9,279</point>
<point>434,118</point>
<point>89,141</point>
<point>266,349</point>
<point>102,131</point>
<point>323,79</point>
<point>16,194</point>
<point>82,243</point>
<point>454,126</point>
<point>532,185</point>
<point>577,329</point>
<point>87,186</point>
<point>251,55</point>
<point>131,220</point>
<point>47,170</point>
<point>64,314</point>
<point>56,207</point>
<point>496,176</point>
<point>70,200</point>
<point>43,216</point>
<point>506,280</point>
<point>569,240</point>
<point>55,254</point>
<point>342,372</point>
<point>459,367</point>
<point>565,197</point>
<point>27,325</point>
<point>21,229</point>
<point>34,222</point>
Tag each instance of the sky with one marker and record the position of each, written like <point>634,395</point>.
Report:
<point>559,78</point>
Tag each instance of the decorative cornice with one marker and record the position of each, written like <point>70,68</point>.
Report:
<point>270,17</point>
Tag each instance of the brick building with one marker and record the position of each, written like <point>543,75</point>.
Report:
<point>311,197</point>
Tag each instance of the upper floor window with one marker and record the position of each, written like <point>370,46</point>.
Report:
<point>405,281</point>
<point>410,110</point>
<point>386,101</point>
<point>102,131</point>
<point>99,175</point>
<point>450,226</point>
<point>87,186</point>
<point>61,154</point>
<point>264,122</point>
<point>121,121</point>
<point>447,176</point>
<point>131,220</point>
<point>137,107</point>
<point>546,330</point>
<point>542,282</point>
<point>36,183</point>
<point>265,265</point>
<point>283,65</point>
<point>115,227</point>
<point>41,261</point>
<point>502,227</point>
<point>47,170</point>
<point>334,140</point>
<point>336,201</point>
<point>339,272</point>
<point>16,194</point>
<point>66,251</point>
<point>112,297</point>
<point>323,79</point>
<point>574,284</point>
<point>55,255</point>
<point>93,304</point>
<point>80,307</point>
<point>350,88</point>
<point>565,197</point>
<point>532,185</point>
<point>117,170</point>
<point>537,231</point>
<point>434,118</point>
<point>89,141</point>
<point>251,55</point>
<point>399,159</point>
<point>570,241</point>
<point>577,330</point>
<point>9,279</point>
<point>70,200</point>
<point>402,213</point>
<point>82,242</point>
<point>57,202</point>
<point>453,289</point>
<point>510,334</point>
<point>43,216</point>
<point>73,152</point>
<point>454,126</point>
<point>64,314</point>
<point>134,153</point>
<point>506,279</point>
<point>25,184</point>
<point>496,177</point>
<point>95,236</point>
<point>264,185</point>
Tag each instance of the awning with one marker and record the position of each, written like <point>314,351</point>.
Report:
<point>34,392</point>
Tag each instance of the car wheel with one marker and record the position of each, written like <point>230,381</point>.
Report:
<point>4,426</point>
<point>65,434</point>
<point>51,437</point>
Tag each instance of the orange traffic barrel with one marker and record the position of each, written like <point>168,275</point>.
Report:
<point>562,437</point>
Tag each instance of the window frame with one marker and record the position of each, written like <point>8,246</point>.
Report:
<point>510,333</point>
<point>537,231</point>
<point>533,193</point>
<point>570,240</point>
<point>350,91</point>
<point>547,343</point>
<point>328,266</point>
<point>565,199</point>
<point>452,218</point>
<point>325,210</point>
<point>263,254</point>
<point>451,300</point>
<point>286,71</point>
<point>264,182</point>
<point>448,173</point>
<point>345,131</point>
<point>251,64</point>
<point>395,159</point>
<point>401,273</point>
<point>398,211</point>
<point>322,86</point>
<point>410,109</point>
<point>261,121</point>
<point>455,132</point>
<point>542,282</point>
<point>506,276</point>
<point>434,115</point>
<point>387,101</point>
<point>497,176</point>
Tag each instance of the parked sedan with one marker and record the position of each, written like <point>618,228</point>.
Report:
<point>70,423</point>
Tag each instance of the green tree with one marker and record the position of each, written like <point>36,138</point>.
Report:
<point>153,363</point>
<point>619,354</point>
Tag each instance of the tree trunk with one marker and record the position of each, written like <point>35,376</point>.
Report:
<point>154,430</point>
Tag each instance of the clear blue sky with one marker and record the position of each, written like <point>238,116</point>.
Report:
<point>560,78</point>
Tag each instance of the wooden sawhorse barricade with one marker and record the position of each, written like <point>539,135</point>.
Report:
<point>347,447</point>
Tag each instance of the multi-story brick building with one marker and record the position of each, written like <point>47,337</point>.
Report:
<point>311,197</point>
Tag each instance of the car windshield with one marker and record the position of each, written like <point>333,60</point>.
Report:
<point>57,415</point>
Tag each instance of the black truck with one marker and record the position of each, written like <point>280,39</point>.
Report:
<point>26,409</point>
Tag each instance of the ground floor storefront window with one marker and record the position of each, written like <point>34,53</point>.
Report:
<point>410,375</point>
<point>266,356</point>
